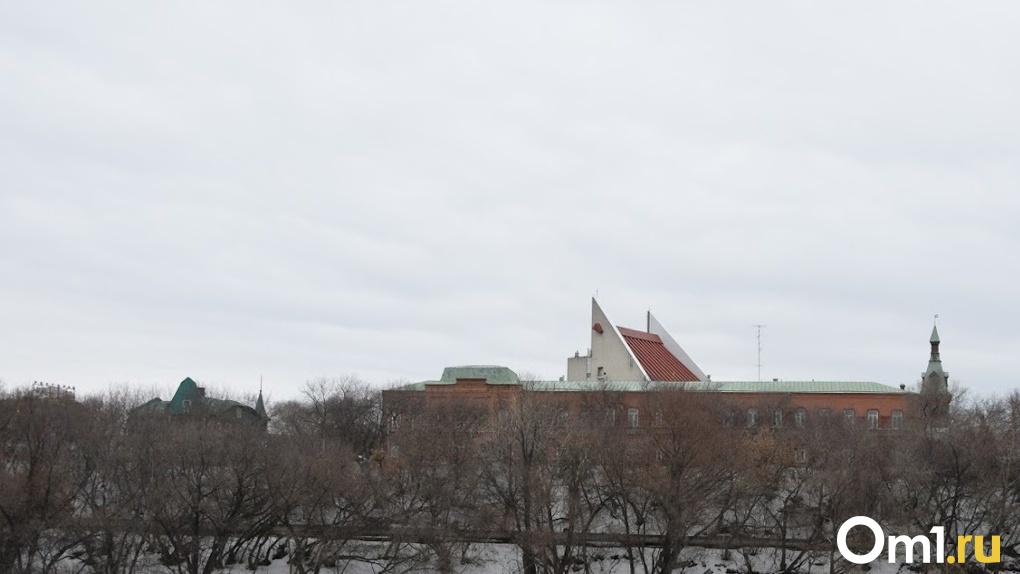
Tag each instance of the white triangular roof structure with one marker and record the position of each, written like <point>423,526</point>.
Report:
<point>654,326</point>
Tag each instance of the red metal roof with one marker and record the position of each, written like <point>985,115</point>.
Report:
<point>658,362</point>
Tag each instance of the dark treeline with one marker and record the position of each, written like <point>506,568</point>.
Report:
<point>84,483</point>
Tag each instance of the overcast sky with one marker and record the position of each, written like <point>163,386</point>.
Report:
<point>228,190</point>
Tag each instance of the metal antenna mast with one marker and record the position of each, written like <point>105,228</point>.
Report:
<point>759,328</point>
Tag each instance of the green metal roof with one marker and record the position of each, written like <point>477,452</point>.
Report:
<point>721,386</point>
<point>189,390</point>
<point>413,386</point>
<point>152,406</point>
<point>493,374</point>
<point>497,375</point>
<point>805,387</point>
<point>934,366</point>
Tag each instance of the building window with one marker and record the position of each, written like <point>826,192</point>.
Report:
<point>729,417</point>
<point>238,413</point>
<point>632,418</point>
<point>395,421</point>
<point>872,419</point>
<point>561,417</point>
<point>849,416</point>
<point>824,414</point>
<point>186,405</point>
<point>800,456</point>
<point>658,418</point>
<point>777,418</point>
<point>610,419</point>
<point>752,417</point>
<point>897,420</point>
<point>800,417</point>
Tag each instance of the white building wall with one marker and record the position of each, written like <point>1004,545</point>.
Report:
<point>579,368</point>
<point>610,355</point>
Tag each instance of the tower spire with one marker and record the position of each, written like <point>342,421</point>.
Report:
<point>934,374</point>
<point>934,361</point>
<point>260,404</point>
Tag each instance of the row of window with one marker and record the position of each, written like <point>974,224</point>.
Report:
<point>799,418</point>
<point>825,414</point>
<point>753,418</point>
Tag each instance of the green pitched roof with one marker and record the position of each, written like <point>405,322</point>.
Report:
<point>935,361</point>
<point>152,406</point>
<point>187,390</point>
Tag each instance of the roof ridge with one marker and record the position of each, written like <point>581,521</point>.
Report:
<point>644,335</point>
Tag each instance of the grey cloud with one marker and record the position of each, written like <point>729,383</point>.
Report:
<point>227,190</point>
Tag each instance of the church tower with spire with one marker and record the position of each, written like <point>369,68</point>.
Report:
<point>935,379</point>
<point>933,401</point>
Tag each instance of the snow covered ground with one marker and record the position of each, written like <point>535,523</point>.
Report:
<point>506,559</point>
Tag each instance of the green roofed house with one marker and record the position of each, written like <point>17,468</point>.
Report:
<point>191,402</point>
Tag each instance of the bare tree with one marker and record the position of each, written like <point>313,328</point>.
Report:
<point>691,469</point>
<point>965,477</point>
<point>432,474</point>
<point>344,408</point>
<point>539,468</point>
<point>37,450</point>
<point>112,484</point>
<point>209,492</point>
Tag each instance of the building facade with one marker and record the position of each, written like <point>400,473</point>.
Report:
<point>616,379</point>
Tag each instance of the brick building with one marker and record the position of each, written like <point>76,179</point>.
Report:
<point>623,366</point>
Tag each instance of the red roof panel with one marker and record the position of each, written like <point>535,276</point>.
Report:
<point>655,358</point>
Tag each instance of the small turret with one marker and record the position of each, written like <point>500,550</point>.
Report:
<point>934,377</point>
